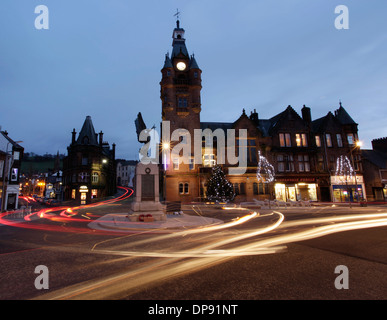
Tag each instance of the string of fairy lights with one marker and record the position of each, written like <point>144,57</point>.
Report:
<point>344,170</point>
<point>265,170</point>
<point>219,188</point>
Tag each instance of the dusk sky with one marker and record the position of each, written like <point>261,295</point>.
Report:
<point>103,59</point>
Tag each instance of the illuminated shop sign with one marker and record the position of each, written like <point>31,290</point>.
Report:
<point>83,189</point>
<point>297,179</point>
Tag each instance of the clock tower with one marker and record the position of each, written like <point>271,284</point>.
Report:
<point>180,97</point>
<point>181,86</point>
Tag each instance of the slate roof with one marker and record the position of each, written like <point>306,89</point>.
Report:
<point>318,125</point>
<point>179,47</point>
<point>342,115</point>
<point>193,64</point>
<point>88,132</point>
<point>377,158</point>
<point>216,125</point>
<point>264,125</point>
<point>12,142</point>
<point>167,62</point>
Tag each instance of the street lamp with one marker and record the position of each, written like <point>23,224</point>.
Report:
<point>358,144</point>
<point>165,146</point>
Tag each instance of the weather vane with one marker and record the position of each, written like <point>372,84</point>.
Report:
<point>177,14</point>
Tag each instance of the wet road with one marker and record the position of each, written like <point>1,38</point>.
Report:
<point>255,254</point>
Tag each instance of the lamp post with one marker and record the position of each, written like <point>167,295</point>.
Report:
<point>6,176</point>
<point>165,147</point>
<point>358,144</point>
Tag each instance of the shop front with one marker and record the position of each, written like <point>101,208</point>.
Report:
<point>348,190</point>
<point>296,189</point>
<point>83,191</point>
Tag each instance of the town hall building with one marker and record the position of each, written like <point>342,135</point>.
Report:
<point>303,151</point>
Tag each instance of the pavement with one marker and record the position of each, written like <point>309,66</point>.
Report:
<point>120,222</point>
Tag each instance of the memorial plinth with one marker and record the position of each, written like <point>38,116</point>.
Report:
<point>147,192</point>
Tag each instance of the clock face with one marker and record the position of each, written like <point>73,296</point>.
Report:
<point>181,66</point>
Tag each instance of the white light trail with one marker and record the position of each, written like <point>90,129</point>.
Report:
<point>264,246</point>
<point>178,262</point>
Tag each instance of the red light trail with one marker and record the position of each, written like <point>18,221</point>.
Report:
<point>66,215</point>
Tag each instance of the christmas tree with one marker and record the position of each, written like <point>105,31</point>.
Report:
<point>219,189</point>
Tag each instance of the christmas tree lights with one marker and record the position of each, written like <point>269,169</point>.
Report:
<point>219,189</point>
<point>344,171</point>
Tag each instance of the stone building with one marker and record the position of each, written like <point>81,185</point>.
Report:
<point>89,169</point>
<point>11,154</point>
<point>303,151</point>
<point>375,170</point>
<point>126,170</point>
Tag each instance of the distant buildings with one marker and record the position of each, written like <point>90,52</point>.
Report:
<point>42,176</point>
<point>89,170</point>
<point>11,154</point>
<point>126,170</point>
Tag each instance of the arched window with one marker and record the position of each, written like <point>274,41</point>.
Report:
<point>184,188</point>
<point>83,177</point>
<point>95,177</point>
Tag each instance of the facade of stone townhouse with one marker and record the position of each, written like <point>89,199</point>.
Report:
<point>89,169</point>
<point>11,155</point>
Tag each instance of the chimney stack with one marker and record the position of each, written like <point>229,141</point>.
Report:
<point>254,116</point>
<point>101,138</point>
<point>306,114</point>
<point>114,151</point>
<point>73,137</point>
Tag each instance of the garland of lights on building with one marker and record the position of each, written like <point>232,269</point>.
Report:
<point>265,171</point>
